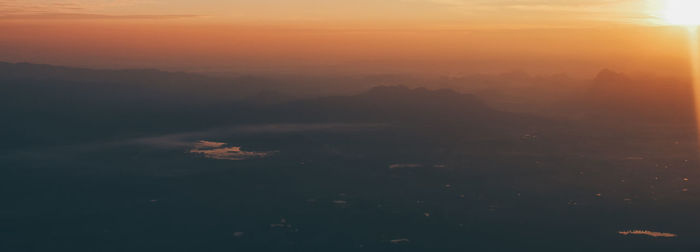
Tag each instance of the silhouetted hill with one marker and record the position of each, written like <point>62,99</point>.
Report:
<point>408,107</point>
<point>617,96</point>
<point>610,76</point>
<point>29,71</point>
<point>122,86</point>
<point>48,105</point>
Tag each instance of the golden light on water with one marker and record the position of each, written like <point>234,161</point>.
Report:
<point>648,233</point>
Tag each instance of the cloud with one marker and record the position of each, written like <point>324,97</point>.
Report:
<point>548,13</point>
<point>528,5</point>
<point>74,10</point>
<point>80,16</point>
<point>525,3</point>
<point>33,7</point>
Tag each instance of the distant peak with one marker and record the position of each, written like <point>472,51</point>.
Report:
<point>404,89</point>
<point>607,75</point>
<point>381,89</point>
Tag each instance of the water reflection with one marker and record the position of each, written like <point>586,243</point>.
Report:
<point>400,241</point>
<point>648,233</point>
<point>398,166</point>
<point>218,150</point>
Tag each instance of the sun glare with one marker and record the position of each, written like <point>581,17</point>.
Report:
<point>682,12</point>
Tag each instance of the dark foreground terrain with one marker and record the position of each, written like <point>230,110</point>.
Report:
<point>388,169</point>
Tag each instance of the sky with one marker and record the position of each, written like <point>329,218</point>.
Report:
<point>344,36</point>
<point>447,12</point>
<point>435,14</point>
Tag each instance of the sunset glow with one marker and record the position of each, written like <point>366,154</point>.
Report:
<point>694,49</point>
<point>682,12</point>
<point>349,125</point>
<point>685,13</point>
<point>345,36</point>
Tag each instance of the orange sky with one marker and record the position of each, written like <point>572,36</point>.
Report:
<point>436,36</point>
